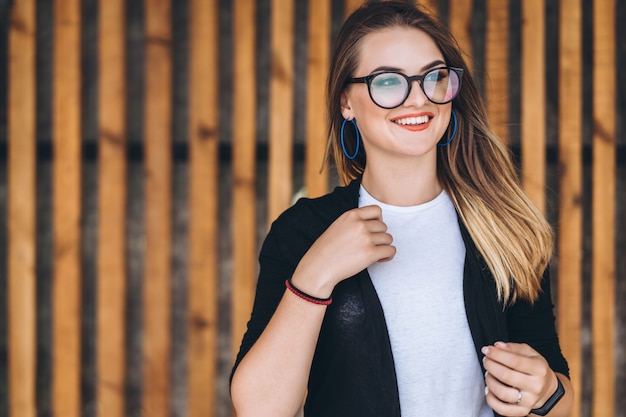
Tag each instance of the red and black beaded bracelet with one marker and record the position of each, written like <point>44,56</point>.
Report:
<point>307,297</point>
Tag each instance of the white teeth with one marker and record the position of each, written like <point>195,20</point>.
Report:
<point>412,120</point>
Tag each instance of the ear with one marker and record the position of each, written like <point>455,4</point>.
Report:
<point>346,109</point>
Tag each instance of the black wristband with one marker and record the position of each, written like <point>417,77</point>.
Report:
<point>551,402</point>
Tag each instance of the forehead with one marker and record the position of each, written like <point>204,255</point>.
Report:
<point>405,48</point>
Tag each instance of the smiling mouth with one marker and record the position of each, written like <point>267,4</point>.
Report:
<point>412,121</point>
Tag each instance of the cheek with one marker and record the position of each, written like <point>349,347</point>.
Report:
<point>445,118</point>
<point>371,121</point>
<point>365,111</point>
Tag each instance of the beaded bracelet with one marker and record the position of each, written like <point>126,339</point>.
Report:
<point>307,297</point>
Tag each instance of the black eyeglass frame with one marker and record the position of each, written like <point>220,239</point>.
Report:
<point>419,78</point>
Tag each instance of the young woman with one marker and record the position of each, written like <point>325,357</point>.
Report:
<point>421,287</point>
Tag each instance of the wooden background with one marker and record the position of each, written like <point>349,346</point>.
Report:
<point>146,145</point>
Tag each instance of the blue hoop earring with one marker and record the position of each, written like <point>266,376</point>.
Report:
<point>358,139</point>
<point>453,130</point>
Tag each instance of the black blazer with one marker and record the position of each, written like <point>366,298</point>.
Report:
<point>353,372</point>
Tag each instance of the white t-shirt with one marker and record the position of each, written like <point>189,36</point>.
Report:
<point>421,292</point>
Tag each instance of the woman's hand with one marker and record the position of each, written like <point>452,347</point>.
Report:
<point>518,378</point>
<point>354,241</point>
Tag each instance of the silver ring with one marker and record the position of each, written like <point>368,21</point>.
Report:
<point>519,397</point>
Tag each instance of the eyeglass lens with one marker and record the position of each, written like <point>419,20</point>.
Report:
<point>390,89</point>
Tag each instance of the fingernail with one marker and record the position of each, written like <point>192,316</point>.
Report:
<point>486,391</point>
<point>484,350</point>
<point>500,344</point>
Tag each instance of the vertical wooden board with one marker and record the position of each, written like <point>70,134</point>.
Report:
<point>497,66</point>
<point>603,201</point>
<point>460,23</point>
<point>203,207</point>
<point>244,198</point>
<point>533,117</point>
<point>351,5</point>
<point>570,190</point>
<point>318,62</point>
<point>431,5</point>
<point>66,397</point>
<point>21,214</point>
<point>158,172</point>
<point>111,259</point>
<point>281,107</point>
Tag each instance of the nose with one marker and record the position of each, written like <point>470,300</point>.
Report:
<point>416,96</point>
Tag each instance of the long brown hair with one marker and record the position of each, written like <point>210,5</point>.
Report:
<point>475,169</point>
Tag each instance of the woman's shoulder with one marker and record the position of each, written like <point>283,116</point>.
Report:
<point>319,211</point>
<point>295,230</point>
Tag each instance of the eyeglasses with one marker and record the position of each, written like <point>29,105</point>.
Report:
<point>390,89</point>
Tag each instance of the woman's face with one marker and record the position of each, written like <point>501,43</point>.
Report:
<point>413,128</point>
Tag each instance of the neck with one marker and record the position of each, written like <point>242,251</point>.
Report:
<point>406,184</point>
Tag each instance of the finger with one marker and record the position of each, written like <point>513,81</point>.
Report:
<point>385,259</point>
<point>376,247</point>
<point>504,408</point>
<point>513,360</point>
<point>503,392</point>
<point>375,226</point>
<point>503,373</point>
<point>379,239</point>
<point>386,253</point>
<point>370,212</point>
<point>519,348</point>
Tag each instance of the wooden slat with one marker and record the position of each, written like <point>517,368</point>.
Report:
<point>66,300</point>
<point>111,260</point>
<point>244,167</point>
<point>281,107</point>
<point>318,62</point>
<point>497,66</point>
<point>570,190</point>
<point>203,207</point>
<point>533,117</point>
<point>431,5</point>
<point>21,220</point>
<point>460,23</point>
<point>603,203</point>
<point>158,171</point>
<point>350,6</point>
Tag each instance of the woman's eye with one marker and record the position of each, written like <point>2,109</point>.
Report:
<point>387,81</point>
<point>437,76</point>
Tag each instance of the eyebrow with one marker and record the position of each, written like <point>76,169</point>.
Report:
<point>424,68</point>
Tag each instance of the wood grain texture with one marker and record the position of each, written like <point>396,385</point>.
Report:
<point>203,208</point>
<point>431,5</point>
<point>570,190</point>
<point>244,170</point>
<point>66,299</point>
<point>603,209</point>
<point>350,6</point>
<point>497,67</point>
<point>157,211</point>
<point>111,258</point>
<point>21,211</point>
<point>460,24</point>
<point>316,180</point>
<point>62,227</point>
<point>533,108</point>
<point>281,108</point>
